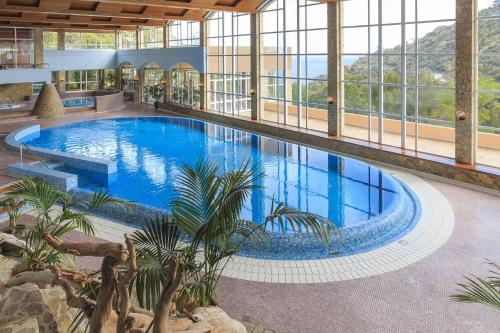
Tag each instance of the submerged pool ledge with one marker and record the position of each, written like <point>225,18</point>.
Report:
<point>98,165</point>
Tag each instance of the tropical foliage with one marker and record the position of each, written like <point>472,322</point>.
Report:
<point>207,210</point>
<point>484,291</point>
<point>56,213</point>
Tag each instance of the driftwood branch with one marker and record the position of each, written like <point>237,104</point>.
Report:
<point>72,298</point>
<point>91,249</point>
<point>124,321</point>
<point>162,313</point>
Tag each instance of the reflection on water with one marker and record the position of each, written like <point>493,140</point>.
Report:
<point>149,153</point>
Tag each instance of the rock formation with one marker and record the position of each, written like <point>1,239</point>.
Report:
<point>48,104</point>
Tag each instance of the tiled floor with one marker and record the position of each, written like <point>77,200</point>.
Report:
<point>414,298</point>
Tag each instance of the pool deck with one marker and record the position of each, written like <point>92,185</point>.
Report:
<point>410,299</point>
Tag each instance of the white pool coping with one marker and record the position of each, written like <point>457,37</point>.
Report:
<point>430,233</point>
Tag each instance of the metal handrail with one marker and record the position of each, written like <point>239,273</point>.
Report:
<point>32,153</point>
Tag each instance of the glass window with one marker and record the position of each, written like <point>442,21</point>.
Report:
<point>183,33</point>
<point>83,79</point>
<point>294,64</point>
<point>127,39</point>
<point>50,40</point>
<point>128,78</point>
<point>89,41</point>
<point>488,98</point>
<point>400,95</point>
<point>184,87</point>
<point>151,37</point>
<point>16,48</point>
<point>228,63</point>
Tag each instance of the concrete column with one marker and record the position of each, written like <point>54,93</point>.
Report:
<point>165,36</point>
<point>38,47</point>
<point>255,66</point>
<point>465,67</point>
<point>334,71</point>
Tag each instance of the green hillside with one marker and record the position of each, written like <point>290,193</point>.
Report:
<point>434,104</point>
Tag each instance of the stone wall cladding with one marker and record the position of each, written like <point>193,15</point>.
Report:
<point>440,166</point>
<point>109,102</point>
<point>16,92</point>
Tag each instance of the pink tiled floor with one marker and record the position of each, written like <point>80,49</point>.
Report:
<point>413,299</point>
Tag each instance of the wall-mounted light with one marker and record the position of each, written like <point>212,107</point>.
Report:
<point>252,91</point>
<point>331,99</point>
<point>461,115</point>
<point>200,85</point>
<point>162,81</point>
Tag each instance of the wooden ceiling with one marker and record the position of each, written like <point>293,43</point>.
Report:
<point>111,14</point>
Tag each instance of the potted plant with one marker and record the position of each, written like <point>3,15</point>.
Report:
<point>156,92</point>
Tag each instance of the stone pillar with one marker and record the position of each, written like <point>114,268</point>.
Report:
<point>465,67</point>
<point>48,104</point>
<point>140,85</point>
<point>38,47</point>
<point>334,71</point>
<point>255,66</point>
<point>60,76</point>
<point>118,78</point>
<point>167,75</point>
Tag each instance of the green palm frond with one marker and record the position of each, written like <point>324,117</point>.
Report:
<point>484,291</point>
<point>155,244</point>
<point>283,217</point>
<point>100,199</point>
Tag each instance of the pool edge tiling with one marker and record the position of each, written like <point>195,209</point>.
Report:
<point>431,232</point>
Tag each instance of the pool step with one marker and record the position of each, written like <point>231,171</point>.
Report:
<point>51,164</point>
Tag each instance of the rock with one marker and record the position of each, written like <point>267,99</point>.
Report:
<point>211,319</point>
<point>7,265</point>
<point>48,104</point>
<point>10,243</point>
<point>21,325</point>
<point>48,306</point>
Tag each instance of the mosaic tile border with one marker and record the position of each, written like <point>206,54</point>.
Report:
<point>433,230</point>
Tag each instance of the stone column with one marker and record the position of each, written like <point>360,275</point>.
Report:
<point>167,78</point>
<point>255,66</point>
<point>38,47</point>
<point>334,72</point>
<point>60,76</point>
<point>118,78</point>
<point>465,67</point>
<point>140,85</point>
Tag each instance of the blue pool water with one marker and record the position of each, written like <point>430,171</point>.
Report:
<point>370,206</point>
<point>78,102</point>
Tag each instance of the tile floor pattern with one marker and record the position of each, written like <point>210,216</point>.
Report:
<point>414,298</point>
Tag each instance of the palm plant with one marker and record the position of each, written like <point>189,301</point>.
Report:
<point>56,213</point>
<point>12,206</point>
<point>208,210</point>
<point>484,291</point>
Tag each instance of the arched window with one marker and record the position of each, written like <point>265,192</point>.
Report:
<point>184,86</point>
